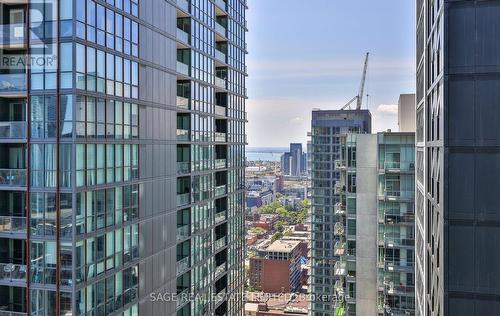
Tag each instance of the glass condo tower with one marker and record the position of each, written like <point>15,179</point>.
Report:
<point>122,157</point>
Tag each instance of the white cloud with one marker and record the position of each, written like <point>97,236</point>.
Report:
<point>388,109</point>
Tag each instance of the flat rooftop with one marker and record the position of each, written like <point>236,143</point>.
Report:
<point>281,246</point>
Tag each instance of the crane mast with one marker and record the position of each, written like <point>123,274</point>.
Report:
<point>359,97</point>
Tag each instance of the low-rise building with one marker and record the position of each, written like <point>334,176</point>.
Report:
<point>275,267</point>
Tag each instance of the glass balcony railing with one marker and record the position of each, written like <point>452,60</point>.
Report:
<point>12,272</point>
<point>13,84</point>
<point>183,199</point>
<point>339,248</point>
<point>183,135</point>
<point>183,102</point>
<point>12,35</point>
<point>221,4</point>
<point>220,137</point>
<point>12,130</point>
<point>183,4</point>
<point>220,217</point>
<point>9,313</point>
<point>220,297</point>
<point>182,297</point>
<point>220,110</point>
<point>183,232</point>
<point>220,190</point>
<point>220,56</point>
<point>220,29</point>
<point>12,225</point>
<point>220,163</point>
<point>12,177</point>
<point>340,268</point>
<point>339,229</point>
<point>339,208</point>
<point>183,68</point>
<point>221,82</point>
<point>399,166</point>
<point>220,243</point>
<point>183,167</point>
<point>182,265</point>
<point>220,270</point>
<point>182,36</point>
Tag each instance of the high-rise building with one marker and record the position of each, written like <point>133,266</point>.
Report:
<point>396,223</point>
<point>122,169</point>
<point>294,162</point>
<point>406,112</point>
<point>327,129</point>
<point>355,228</point>
<point>458,154</point>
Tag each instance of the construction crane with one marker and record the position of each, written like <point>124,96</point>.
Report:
<point>359,97</point>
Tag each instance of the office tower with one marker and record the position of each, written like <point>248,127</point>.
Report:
<point>103,164</point>
<point>285,164</point>
<point>458,154</point>
<point>406,112</point>
<point>327,127</point>
<point>396,223</point>
<point>296,159</point>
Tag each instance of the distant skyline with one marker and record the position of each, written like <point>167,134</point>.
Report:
<point>308,55</point>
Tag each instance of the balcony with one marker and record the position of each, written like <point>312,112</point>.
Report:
<point>340,164</point>
<point>397,195</point>
<point>182,265</point>
<point>220,270</point>
<point>183,199</point>
<point>339,188</point>
<point>220,29</point>
<point>12,273</point>
<point>13,85</point>
<point>407,219</point>
<point>182,103</point>
<point>399,167</point>
<point>340,268</point>
<point>221,82</point>
<point>339,229</point>
<point>220,110</point>
<point>339,209</point>
<point>183,135</point>
<point>183,68</point>
<point>220,190</point>
<point>12,225</point>
<point>12,36</point>
<point>12,177</point>
<point>183,297</point>
<point>339,249</point>
<point>220,217</point>
<point>220,56</point>
<point>183,36</point>
<point>221,4</point>
<point>220,243</point>
<point>183,167</point>
<point>220,137</point>
<point>13,130</point>
<point>220,297</point>
<point>183,4</point>
<point>183,232</point>
<point>220,163</point>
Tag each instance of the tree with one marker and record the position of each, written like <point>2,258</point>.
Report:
<point>277,236</point>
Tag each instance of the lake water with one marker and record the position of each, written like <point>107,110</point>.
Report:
<point>265,153</point>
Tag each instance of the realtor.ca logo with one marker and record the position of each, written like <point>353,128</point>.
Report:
<point>39,32</point>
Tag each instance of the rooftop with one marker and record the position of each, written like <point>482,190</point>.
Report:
<point>280,246</point>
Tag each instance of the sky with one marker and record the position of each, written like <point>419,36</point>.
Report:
<point>309,54</point>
